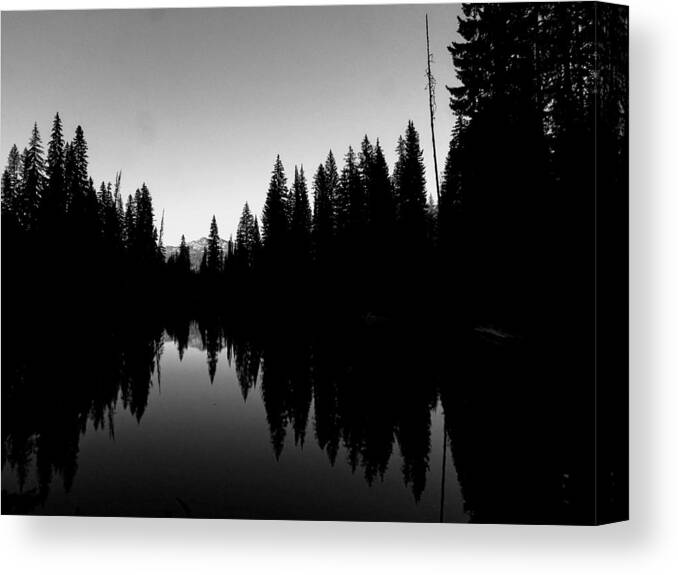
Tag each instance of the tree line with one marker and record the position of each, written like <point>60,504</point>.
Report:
<point>86,241</point>
<point>540,133</point>
<point>354,223</point>
<point>542,95</point>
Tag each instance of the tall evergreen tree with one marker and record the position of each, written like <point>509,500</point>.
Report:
<point>32,182</point>
<point>350,204</point>
<point>511,62</point>
<point>451,185</point>
<point>214,249</point>
<point>366,161</point>
<point>105,197</point>
<point>55,193</point>
<point>323,216</point>
<point>450,211</point>
<point>144,237</point>
<point>412,191</point>
<point>380,201</point>
<point>129,233</point>
<point>242,236</point>
<point>184,257</point>
<point>11,182</point>
<point>398,168</point>
<point>108,217</point>
<point>301,218</point>
<point>332,176</point>
<point>80,178</point>
<point>7,193</point>
<point>274,217</point>
<point>256,236</point>
<point>70,180</point>
<point>245,238</point>
<point>77,183</point>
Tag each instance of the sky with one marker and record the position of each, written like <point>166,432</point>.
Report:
<point>198,102</point>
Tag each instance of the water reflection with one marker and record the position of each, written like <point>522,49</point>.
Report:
<point>50,395</point>
<point>373,394</point>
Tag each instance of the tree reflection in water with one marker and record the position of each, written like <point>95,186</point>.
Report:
<point>368,390</point>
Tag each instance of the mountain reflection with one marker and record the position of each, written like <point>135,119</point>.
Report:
<point>366,390</point>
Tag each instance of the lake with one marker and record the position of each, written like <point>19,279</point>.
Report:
<point>200,425</point>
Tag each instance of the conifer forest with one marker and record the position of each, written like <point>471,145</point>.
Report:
<point>410,343</point>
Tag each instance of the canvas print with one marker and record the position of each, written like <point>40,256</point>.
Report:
<point>364,263</point>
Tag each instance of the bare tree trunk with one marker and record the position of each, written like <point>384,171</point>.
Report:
<point>431,106</point>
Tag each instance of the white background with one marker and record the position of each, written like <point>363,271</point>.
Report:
<point>646,544</point>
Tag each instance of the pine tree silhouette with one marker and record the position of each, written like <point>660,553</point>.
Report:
<point>214,250</point>
<point>54,199</point>
<point>275,219</point>
<point>33,180</point>
<point>300,229</point>
<point>11,182</point>
<point>184,257</point>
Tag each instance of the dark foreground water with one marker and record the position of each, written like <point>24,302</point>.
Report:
<point>374,424</point>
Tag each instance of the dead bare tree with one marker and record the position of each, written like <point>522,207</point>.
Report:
<point>431,83</point>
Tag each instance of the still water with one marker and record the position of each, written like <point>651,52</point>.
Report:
<point>192,423</point>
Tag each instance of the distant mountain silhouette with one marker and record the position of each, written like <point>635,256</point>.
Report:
<point>196,248</point>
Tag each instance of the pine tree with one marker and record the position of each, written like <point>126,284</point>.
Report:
<point>323,216</point>
<point>109,217</point>
<point>33,182</point>
<point>366,161</point>
<point>475,78</point>
<point>129,235</point>
<point>451,184</point>
<point>301,218</point>
<point>214,250</point>
<point>412,191</point>
<point>70,180</point>
<point>332,181</point>
<point>80,156</point>
<point>105,198</point>
<point>450,210</point>
<point>516,80</point>
<point>275,217</point>
<point>380,201</point>
<point>54,202</point>
<point>245,238</point>
<point>256,236</point>
<point>350,204</point>
<point>143,238</point>
<point>11,182</point>
<point>398,170</point>
<point>7,193</point>
<point>77,184</point>
<point>184,257</point>
<point>15,168</point>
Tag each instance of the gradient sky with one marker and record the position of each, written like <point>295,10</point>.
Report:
<point>198,102</point>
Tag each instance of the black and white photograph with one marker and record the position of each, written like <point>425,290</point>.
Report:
<point>347,263</point>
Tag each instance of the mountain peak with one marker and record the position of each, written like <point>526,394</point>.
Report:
<point>195,250</point>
